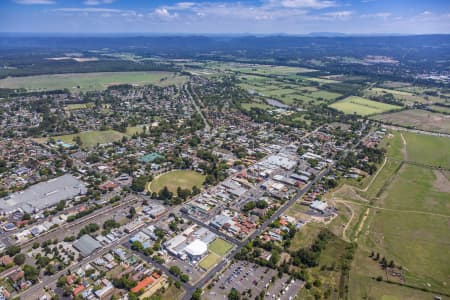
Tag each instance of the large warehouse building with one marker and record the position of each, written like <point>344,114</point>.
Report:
<point>43,195</point>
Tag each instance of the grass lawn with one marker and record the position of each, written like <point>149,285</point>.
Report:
<point>411,227</point>
<point>91,138</point>
<point>442,109</point>
<point>79,106</point>
<point>220,247</point>
<point>428,149</point>
<point>77,82</point>
<point>209,261</point>
<point>249,106</point>
<point>172,292</point>
<point>185,179</point>
<point>328,272</point>
<point>305,236</point>
<point>362,106</point>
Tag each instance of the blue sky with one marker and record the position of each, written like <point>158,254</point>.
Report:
<point>225,16</point>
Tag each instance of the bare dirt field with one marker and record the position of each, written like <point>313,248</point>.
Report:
<point>418,119</point>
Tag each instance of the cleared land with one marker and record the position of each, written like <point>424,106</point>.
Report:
<point>418,119</point>
<point>220,247</point>
<point>362,106</point>
<point>91,81</point>
<point>438,108</point>
<point>301,93</point>
<point>407,222</point>
<point>209,261</point>
<point>91,138</point>
<point>185,179</point>
<point>428,149</point>
<point>404,96</point>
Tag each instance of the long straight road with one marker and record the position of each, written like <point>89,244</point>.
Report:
<point>213,272</point>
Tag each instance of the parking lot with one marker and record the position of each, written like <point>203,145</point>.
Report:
<point>244,276</point>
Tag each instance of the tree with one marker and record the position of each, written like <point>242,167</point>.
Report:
<point>197,294</point>
<point>31,273</point>
<point>26,217</point>
<point>12,250</point>
<point>139,183</point>
<point>19,259</point>
<point>132,212</point>
<point>184,277</point>
<point>234,295</point>
<point>175,270</point>
<point>165,194</point>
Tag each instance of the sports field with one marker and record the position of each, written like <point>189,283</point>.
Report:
<point>209,261</point>
<point>220,247</point>
<point>91,138</point>
<point>417,119</point>
<point>79,106</point>
<point>362,106</point>
<point>185,179</point>
<point>77,82</point>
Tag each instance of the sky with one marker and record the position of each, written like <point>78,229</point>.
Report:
<point>225,16</point>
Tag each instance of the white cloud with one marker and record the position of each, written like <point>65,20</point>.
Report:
<point>345,14</point>
<point>383,15</point>
<point>31,2</point>
<point>97,2</point>
<point>164,13</point>
<point>314,4</point>
<point>91,10</point>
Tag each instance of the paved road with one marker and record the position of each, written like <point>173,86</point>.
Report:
<point>212,273</point>
<point>35,289</point>
<point>199,111</point>
<point>80,222</point>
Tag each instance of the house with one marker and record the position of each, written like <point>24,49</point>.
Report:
<point>143,284</point>
<point>17,275</point>
<point>6,260</point>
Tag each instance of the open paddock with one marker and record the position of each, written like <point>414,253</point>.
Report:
<point>362,106</point>
<point>81,82</point>
<point>417,119</point>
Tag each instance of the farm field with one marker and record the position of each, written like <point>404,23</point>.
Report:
<point>300,94</point>
<point>220,247</point>
<point>81,82</point>
<point>417,119</point>
<point>91,138</point>
<point>408,97</point>
<point>209,261</point>
<point>185,179</point>
<point>438,108</point>
<point>266,70</point>
<point>362,106</point>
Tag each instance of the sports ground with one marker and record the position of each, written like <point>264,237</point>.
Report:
<point>185,179</point>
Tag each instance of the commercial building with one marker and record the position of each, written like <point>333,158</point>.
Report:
<point>86,245</point>
<point>43,195</point>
